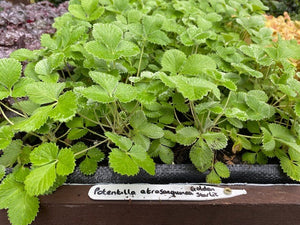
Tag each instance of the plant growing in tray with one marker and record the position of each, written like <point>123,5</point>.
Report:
<point>127,81</point>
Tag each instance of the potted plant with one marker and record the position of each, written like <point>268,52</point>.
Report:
<point>125,82</point>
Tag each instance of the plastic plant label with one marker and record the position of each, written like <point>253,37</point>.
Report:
<point>180,192</point>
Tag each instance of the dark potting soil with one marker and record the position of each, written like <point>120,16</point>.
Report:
<point>22,25</point>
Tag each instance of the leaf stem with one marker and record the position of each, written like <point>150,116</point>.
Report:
<point>221,114</point>
<point>14,111</point>
<point>94,146</point>
<point>194,114</point>
<point>8,120</point>
<point>140,61</point>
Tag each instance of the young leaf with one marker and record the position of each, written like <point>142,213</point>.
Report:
<point>66,107</point>
<point>172,61</point>
<point>10,72</point>
<point>140,156</point>
<point>290,167</point>
<point>121,163</point>
<point>213,178</point>
<point>40,179</point>
<point>23,54</point>
<point>122,142</point>
<point>22,208</point>
<point>106,81</point>
<point>125,93</point>
<point>187,135</point>
<point>96,93</point>
<point>197,64</point>
<point>77,133</point>
<point>66,162</point>
<point>44,154</point>
<point>38,119</point>
<point>11,153</point>
<point>201,156</point>
<point>88,166</point>
<point>6,135</point>
<point>151,130</point>
<point>215,141</point>
<point>281,132</point>
<point>42,92</point>
<point>138,119</point>
<point>268,140</point>
<point>222,170</point>
<point>249,157</point>
<point>108,34</point>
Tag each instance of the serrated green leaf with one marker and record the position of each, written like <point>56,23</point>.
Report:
<point>38,119</point>
<point>268,140</point>
<point>96,154</point>
<point>23,54</point>
<point>100,51</point>
<point>172,61</point>
<point>140,156</point>
<point>125,93</point>
<point>213,178</point>
<point>6,135</point>
<point>179,103</point>
<point>20,173</point>
<point>11,153</point>
<point>88,166</point>
<point>22,208</point>
<point>42,92</point>
<point>158,37</point>
<point>290,167</point>
<point>106,81</point>
<point>26,106</point>
<point>60,180</point>
<point>89,5</point>
<point>19,89</point>
<point>66,162</point>
<point>66,107</point>
<point>222,170</point>
<point>96,93</point>
<point>77,133</point>
<point>78,147</point>
<point>249,157</point>
<point>166,154</point>
<point>122,142</point>
<point>242,68</point>
<point>201,156</point>
<point>43,67</point>
<point>108,34</point>
<point>214,140</point>
<point>4,92</point>
<point>77,11</point>
<point>121,163</point>
<point>187,135</point>
<point>44,154</point>
<point>10,72</point>
<point>48,42</point>
<point>151,130</point>
<point>141,140</point>
<point>126,49</point>
<point>197,64</point>
<point>138,119</point>
<point>281,132</point>
<point>40,179</point>
<point>235,122</point>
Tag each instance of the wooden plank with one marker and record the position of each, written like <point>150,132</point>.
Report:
<point>266,205</point>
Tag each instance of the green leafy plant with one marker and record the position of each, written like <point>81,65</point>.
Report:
<point>127,81</point>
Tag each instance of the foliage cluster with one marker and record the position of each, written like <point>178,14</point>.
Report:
<point>138,78</point>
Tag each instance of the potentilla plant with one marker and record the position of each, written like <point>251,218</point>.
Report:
<point>126,81</point>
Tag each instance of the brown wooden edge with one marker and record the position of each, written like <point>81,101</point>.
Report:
<point>265,205</point>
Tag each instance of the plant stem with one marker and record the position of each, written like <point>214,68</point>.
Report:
<point>94,146</point>
<point>221,114</point>
<point>14,111</point>
<point>196,119</point>
<point>140,61</point>
<point>93,132</point>
<point>8,120</point>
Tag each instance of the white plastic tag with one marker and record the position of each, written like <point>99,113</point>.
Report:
<point>183,192</point>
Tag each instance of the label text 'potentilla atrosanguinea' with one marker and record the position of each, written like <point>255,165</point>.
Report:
<point>160,192</point>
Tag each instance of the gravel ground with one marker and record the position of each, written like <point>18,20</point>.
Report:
<point>22,25</point>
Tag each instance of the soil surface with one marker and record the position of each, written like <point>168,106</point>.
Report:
<point>22,25</point>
